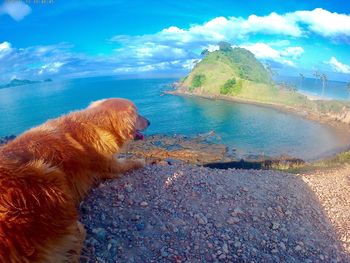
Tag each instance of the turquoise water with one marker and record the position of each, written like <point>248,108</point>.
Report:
<point>249,129</point>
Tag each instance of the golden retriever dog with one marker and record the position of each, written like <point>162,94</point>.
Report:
<point>46,172</point>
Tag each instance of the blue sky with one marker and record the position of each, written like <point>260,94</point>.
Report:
<point>67,39</point>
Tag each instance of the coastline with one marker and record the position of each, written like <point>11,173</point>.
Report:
<point>311,96</point>
<point>320,118</point>
<point>340,128</point>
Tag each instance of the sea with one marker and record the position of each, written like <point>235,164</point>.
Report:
<point>247,130</point>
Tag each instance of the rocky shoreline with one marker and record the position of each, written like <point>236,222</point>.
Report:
<point>199,150</point>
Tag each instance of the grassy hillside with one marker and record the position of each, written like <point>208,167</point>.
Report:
<point>219,67</point>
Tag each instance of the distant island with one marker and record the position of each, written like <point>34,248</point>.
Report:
<point>22,82</point>
<point>235,74</point>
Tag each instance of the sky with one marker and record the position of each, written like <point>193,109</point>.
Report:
<point>59,39</point>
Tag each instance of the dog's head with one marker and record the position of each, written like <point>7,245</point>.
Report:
<point>124,116</point>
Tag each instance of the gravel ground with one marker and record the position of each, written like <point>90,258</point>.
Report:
<point>332,188</point>
<point>185,213</point>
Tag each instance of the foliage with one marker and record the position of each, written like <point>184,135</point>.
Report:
<point>337,161</point>
<point>216,71</point>
<point>228,86</point>
<point>231,86</point>
<point>225,46</point>
<point>197,81</point>
<point>205,52</point>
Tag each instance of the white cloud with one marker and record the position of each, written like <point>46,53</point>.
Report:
<point>271,24</point>
<point>266,52</point>
<point>212,48</point>
<point>51,67</point>
<point>16,9</point>
<point>5,48</point>
<point>324,23</point>
<point>294,52</point>
<point>233,29</point>
<point>338,66</point>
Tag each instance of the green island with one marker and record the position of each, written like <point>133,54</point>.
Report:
<point>235,74</point>
<point>22,82</point>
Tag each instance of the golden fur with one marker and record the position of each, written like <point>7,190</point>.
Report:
<point>47,171</point>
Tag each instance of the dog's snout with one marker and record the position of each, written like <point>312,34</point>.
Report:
<point>142,123</point>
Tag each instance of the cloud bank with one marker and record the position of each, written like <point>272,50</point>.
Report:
<point>15,9</point>
<point>269,37</point>
<point>338,66</point>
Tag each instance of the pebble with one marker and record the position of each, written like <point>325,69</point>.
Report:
<point>233,220</point>
<point>201,219</point>
<point>237,211</point>
<point>282,245</point>
<point>100,233</point>
<point>274,251</point>
<point>140,226</point>
<point>237,244</point>
<point>297,248</point>
<point>275,226</point>
<point>225,248</point>
<point>144,204</point>
<point>120,197</point>
<point>128,188</point>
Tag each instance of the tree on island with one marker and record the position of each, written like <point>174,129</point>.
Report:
<point>205,52</point>
<point>225,46</point>
<point>302,77</point>
<point>270,70</point>
<point>316,74</point>
<point>324,79</point>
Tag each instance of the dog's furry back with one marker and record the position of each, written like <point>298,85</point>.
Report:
<point>45,173</point>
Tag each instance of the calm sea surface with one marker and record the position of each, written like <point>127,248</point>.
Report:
<point>249,129</point>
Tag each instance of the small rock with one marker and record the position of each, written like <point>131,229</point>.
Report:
<point>140,226</point>
<point>274,251</point>
<point>275,226</point>
<point>237,211</point>
<point>201,219</point>
<point>297,248</point>
<point>100,233</point>
<point>282,245</point>
<point>120,197</point>
<point>237,244</point>
<point>244,189</point>
<point>232,220</point>
<point>144,204</point>
<point>225,248</point>
<point>288,213</point>
<point>128,188</point>
<point>103,217</point>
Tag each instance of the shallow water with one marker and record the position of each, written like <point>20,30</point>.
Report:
<point>249,129</point>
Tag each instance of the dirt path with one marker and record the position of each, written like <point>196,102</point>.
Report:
<point>184,213</point>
